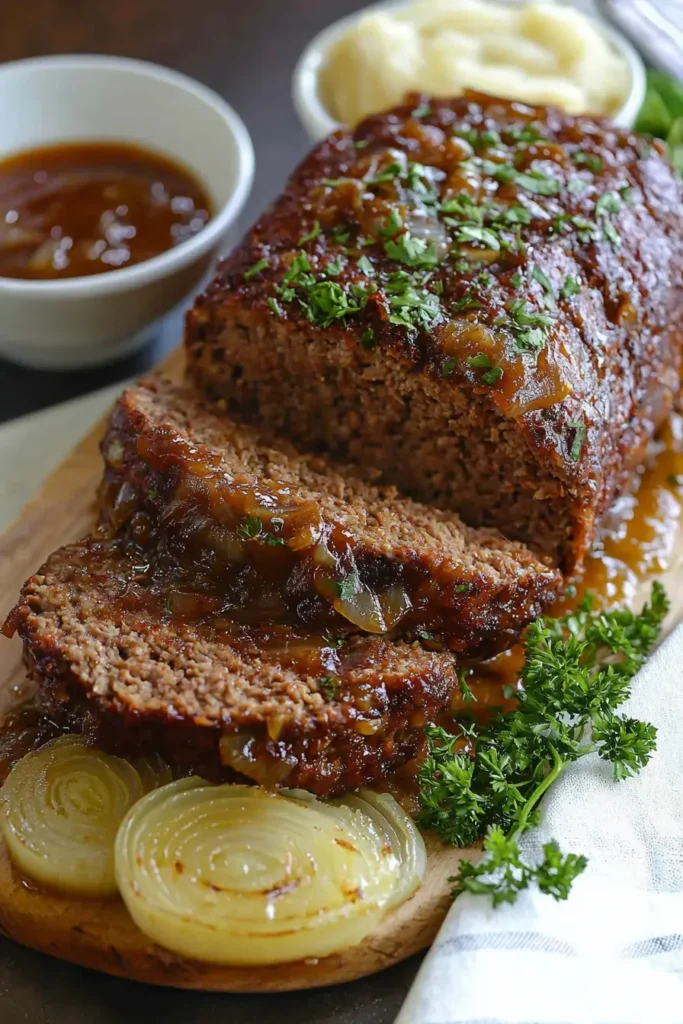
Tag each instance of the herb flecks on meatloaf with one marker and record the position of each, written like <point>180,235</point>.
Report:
<point>478,301</point>
<point>267,533</point>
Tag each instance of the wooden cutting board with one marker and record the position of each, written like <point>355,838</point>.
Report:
<point>100,934</point>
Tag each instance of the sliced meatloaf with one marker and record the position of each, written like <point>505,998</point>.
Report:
<point>279,706</point>
<point>481,299</point>
<point>282,537</point>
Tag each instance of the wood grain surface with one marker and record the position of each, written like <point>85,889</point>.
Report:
<point>99,933</point>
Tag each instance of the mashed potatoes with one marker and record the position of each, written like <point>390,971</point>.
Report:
<point>538,52</point>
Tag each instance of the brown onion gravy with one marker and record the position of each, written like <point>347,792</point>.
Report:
<point>636,544</point>
<point>74,210</point>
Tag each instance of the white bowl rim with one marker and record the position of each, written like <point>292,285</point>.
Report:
<point>186,252</point>
<point>318,121</point>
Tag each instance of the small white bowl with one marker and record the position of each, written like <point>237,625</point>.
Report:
<point>319,122</point>
<point>85,321</point>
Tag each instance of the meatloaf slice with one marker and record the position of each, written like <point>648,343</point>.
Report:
<point>293,538</point>
<point>275,705</point>
<point>479,298</point>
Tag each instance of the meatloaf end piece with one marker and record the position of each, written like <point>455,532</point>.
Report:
<point>137,680</point>
<point>481,299</point>
<point>308,538</point>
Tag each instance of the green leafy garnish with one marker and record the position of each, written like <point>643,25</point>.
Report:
<point>571,286</point>
<point>661,114</point>
<point>312,234</point>
<point>329,687</point>
<point>411,304</point>
<point>579,437</point>
<point>257,267</point>
<point>250,528</point>
<point>592,161</point>
<point>414,252</point>
<point>488,780</point>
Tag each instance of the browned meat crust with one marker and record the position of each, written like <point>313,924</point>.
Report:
<point>245,507</point>
<point>274,707</point>
<point>483,302</point>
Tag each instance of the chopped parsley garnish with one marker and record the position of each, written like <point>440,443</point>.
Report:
<point>532,180</point>
<point>516,280</point>
<point>414,252</point>
<point>577,186</point>
<point>273,306</point>
<point>475,233</point>
<point>393,224</point>
<point>410,304</point>
<point>544,281</point>
<point>465,689</point>
<point>524,316</point>
<point>424,635</point>
<point>250,528</point>
<point>585,229</point>
<point>571,286</point>
<point>491,377</point>
<point>424,110</point>
<point>390,173</point>
<point>257,267</point>
<point>341,233</point>
<point>609,202</point>
<point>274,542</point>
<point>579,437</point>
<point>312,234</point>
<point>467,301</point>
<point>529,133</point>
<point>348,586</point>
<point>362,143</point>
<point>480,360</point>
<point>489,779</point>
<point>593,162</point>
<point>611,234</point>
<point>448,366</point>
<point>366,266</point>
<point>329,687</point>
<point>368,339</point>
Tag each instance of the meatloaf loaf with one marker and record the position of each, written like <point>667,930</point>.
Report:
<point>275,704</point>
<point>280,536</point>
<point>481,299</point>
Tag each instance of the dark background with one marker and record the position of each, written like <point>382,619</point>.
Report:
<point>245,50</point>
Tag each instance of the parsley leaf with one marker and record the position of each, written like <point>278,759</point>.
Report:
<point>593,162</point>
<point>312,234</point>
<point>571,286</point>
<point>579,437</point>
<point>488,780</point>
<point>329,687</point>
<point>414,252</point>
<point>257,267</point>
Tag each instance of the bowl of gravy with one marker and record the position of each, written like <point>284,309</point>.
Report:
<point>119,184</point>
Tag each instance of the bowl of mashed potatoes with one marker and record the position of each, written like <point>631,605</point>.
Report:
<point>535,51</point>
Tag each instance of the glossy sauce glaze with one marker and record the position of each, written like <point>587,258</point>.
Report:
<point>638,543</point>
<point>79,209</point>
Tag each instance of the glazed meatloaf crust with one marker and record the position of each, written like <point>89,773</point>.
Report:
<point>275,705</point>
<point>280,536</point>
<point>479,298</point>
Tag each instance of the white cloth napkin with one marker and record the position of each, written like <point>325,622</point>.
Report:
<point>613,952</point>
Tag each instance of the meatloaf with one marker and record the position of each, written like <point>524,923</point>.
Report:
<point>272,703</point>
<point>280,536</point>
<point>481,299</point>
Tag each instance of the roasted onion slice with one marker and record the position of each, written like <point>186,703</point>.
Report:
<point>61,809</point>
<point>239,875</point>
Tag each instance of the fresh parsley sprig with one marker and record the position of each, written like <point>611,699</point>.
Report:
<point>488,780</point>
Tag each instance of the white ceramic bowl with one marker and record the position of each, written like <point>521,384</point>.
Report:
<point>319,122</point>
<point>84,321</point>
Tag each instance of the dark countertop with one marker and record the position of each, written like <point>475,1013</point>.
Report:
<point>246,51</point>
